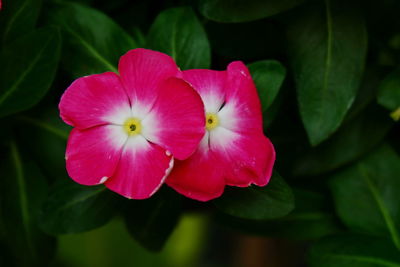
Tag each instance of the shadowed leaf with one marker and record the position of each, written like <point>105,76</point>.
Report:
<point>28,70</point>
<point>93,43</point>
<point>327,48</point>
<point>258,203</point>
<point>178,32</point>
<point>152,221</point>
<point>23,190</point>
<point>354,251</point>
<point>366,194</point>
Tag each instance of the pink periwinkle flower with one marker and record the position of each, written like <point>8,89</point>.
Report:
<point>128,128</point>
<point>234,150</point>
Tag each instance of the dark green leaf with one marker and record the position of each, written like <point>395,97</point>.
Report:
<point>268,75</point>
<point>17,18</point>
<point>272,112</point>
<point>311,219</point>
<point>93,43</point>
<point>353,140</point>
<point>243,10</point>
<point>28,70</point>
<point>178,32</point>
<point>23,190</point>
<point>327,49</point>
<point>354,251</point>
<point>389,93</point>
<point>367,195</point>
<point>258,203</point>
<point>151,221</point>
<point>366,94</point>
<point>50,134</point>
<point>74,208</point>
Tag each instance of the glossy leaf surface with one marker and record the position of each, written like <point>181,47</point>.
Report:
<point>327,47</point>
<point>179,33</point>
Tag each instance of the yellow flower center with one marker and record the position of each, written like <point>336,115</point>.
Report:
<point>132,126</point>
<point>212,121</point>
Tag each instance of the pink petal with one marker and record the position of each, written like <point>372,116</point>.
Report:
<point>210,85</point>
<point>177,120</point>
<point>235,152</point>
<point>94,100</point>
<point>242,111</point>
<point>247,159</point>
<point>199,177</point>
<point>142,169</point>
<point>142,71</point>
<point>92,154</point>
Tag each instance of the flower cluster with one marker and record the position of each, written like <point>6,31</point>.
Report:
<point>195,130</point>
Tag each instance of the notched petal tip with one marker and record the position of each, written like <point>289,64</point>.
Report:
<point>103,180</point>
<point>240,67</point>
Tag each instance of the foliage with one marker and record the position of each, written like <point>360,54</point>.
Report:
<point>327,73</point>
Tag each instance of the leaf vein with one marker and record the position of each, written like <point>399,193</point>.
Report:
<point>22,194</point>
<point>363,259</point>
<point>24,74</point>
<point>92,50</point>
<point>385,213</point>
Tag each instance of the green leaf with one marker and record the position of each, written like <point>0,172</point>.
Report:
<point>366,94</point>
<point>18,18</point>
<point>389,93</point>
<point>151,221</point>
<point>28,70</point>
<point>353,251</point>
<point>178,32</point>
<point>268,75</point>
<point>353,140</point>
<point>327,51</point>
<point>74,208</point>
<point>366,194</point>
<point>312,218</point>
<point>258,203</point>
<point>243,10</point>
<point>23,190</point>
<point>272,112</point>
<point>93,43</point>
<point>50,134</point>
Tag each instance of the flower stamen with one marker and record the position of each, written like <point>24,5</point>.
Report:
<point>212,121</point>
<point>132,126</point>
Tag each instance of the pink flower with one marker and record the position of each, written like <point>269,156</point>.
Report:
<point>130,127</point>
<point>234,150</point>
